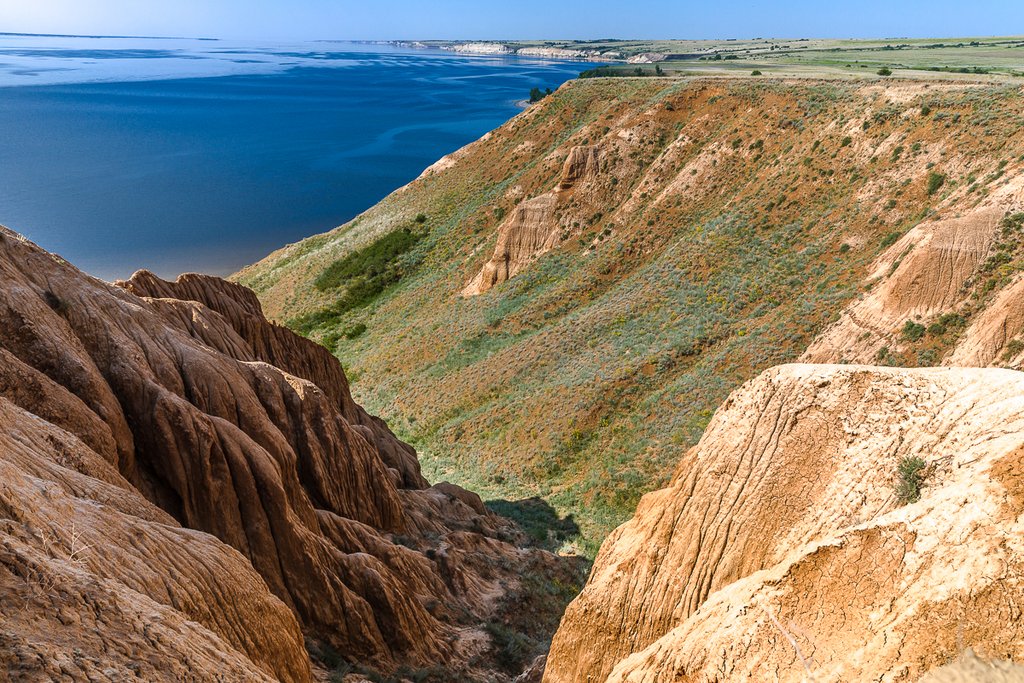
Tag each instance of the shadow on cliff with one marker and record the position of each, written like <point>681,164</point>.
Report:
<point>538,520</point>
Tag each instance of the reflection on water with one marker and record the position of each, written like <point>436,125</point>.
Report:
<point>205,155</point>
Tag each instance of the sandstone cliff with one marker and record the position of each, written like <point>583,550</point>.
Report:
<point>539,224</point>
<point>188,490</point>
<point>782,546</point>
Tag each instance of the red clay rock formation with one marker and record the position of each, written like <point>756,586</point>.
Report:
<point>534,228</point>
<point>780,545</point>
<point>280,347</point>
<point>133,419</point>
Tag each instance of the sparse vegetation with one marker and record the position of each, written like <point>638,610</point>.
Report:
<point>582,379</point>
<point>935,181</point>
<point>910,475</point>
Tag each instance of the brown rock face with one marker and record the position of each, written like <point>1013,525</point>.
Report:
<point>780,545</point>
<point>87,582</point>
<point>186,483</point>
<point>535,227</point>
<point>280,347</point>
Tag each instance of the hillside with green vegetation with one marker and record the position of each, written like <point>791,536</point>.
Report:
<point>725,224</point>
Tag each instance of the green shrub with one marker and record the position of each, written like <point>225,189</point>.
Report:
<point>354,331</point>
<point>891,239</point>
<point>935,181</point>
<point>910,473</point>
<point>1013,348</point>
<point>913,331</point>
<point>755,72</point>
<point>952,320</point>
<point>884,71</point>
<point>536,95</point>
<point>511,648</point>
<point>370,262</point>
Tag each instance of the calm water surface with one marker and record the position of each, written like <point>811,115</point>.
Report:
<point>204,156</point>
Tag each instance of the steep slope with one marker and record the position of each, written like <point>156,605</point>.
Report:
<point>948,292</point>
<point>99,584</point>
<point>171,458</point>
<point>783,545</point>
<point>568,334</point>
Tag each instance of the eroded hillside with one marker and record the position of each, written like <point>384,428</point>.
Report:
<point>835,523</point>
<point>189,492</point>
<point>557,309</point>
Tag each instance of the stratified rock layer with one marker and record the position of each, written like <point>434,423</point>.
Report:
<point>187,484</point>
<point>780,549</point>
<point>938,268</point>
<point>536,226</point>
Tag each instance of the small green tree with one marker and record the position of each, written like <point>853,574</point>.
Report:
<point>885,71</point>
<point>913,331</point>
<point>935,181</point>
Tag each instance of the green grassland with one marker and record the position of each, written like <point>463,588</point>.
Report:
<point>730,222</point>
<point>998,57</point>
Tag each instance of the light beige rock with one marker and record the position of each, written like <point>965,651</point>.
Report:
<point>924,274</point>
<point>779,550</point>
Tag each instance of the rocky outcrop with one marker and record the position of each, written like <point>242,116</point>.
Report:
<point>200,479</point>
<point>484,48</point>
<point>279,346</point>
<point>781,544</point>
<point>100,584</point>
<point>936,268</point>
<point>535,227</point>
<point>479,48</point>
<point>647,58</point>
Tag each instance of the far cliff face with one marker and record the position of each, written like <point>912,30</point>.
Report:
<point>188,491</point>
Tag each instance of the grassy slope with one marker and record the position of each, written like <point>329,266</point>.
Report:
<point>732,220</point>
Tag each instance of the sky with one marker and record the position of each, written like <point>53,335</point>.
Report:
<point>510,19</point>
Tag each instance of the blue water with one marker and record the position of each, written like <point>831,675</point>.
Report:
<point>200,156</point>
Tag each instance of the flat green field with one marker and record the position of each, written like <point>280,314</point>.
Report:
<point>995,58</point>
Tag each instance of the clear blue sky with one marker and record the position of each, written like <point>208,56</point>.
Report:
<point>452,19</point>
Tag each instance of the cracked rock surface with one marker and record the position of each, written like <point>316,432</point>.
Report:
<point>780,545</point>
